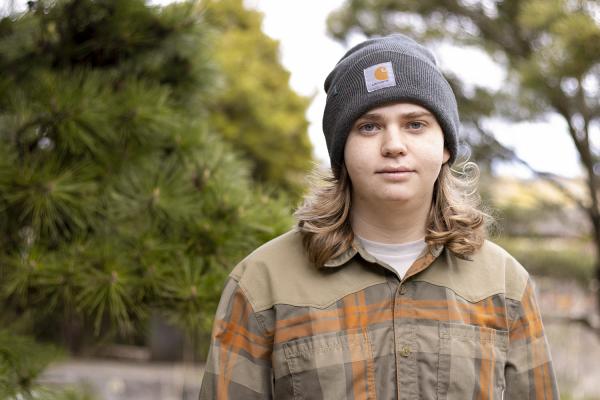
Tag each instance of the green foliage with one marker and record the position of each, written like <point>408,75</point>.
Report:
<point>118,197</point>
<point>254,108</point>
<point>21,362</point>
<point>571,259</point>
<point>569,396</point>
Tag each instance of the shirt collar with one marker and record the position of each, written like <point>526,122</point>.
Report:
<point>426,257</point>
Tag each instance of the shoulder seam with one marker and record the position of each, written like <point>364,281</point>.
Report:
<point>251,303</point>
<point>471,300</point>
<point>519,303</point>
<point>269,305</point>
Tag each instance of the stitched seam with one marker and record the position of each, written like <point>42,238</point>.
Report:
<point>319,305</point>
<point>258,317</point>
<point>462,296</point>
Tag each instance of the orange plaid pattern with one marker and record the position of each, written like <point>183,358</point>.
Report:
<point>409,339</point>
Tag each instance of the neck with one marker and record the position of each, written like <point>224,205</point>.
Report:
<point>389,223</point>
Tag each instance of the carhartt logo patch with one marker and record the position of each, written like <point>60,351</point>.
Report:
<point>379,76</point>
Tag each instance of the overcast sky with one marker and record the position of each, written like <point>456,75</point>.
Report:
<point>309,54</point>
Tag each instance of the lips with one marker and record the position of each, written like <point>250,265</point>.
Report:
<point>392,170</point>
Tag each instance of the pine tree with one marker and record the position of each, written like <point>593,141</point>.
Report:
<point>117,197</point>
<point>22,360</point>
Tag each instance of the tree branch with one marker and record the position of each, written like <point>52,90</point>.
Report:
<point>586,159</point>
<point>549,177</point>
<point>494,31</point>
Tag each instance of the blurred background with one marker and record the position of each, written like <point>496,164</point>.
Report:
<point>147,146</point>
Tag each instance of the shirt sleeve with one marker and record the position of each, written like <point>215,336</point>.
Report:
<point>239,360</point>
<point>529,372</point>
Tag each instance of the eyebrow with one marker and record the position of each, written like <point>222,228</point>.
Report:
<point>409,115</point>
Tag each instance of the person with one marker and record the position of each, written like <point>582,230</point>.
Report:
<point>387,287</point>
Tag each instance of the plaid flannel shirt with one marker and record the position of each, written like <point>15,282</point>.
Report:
<point>451,329</point>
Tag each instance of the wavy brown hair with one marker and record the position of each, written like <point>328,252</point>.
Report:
<point>455,218</point>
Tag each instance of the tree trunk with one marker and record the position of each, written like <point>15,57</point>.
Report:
<point>596,286</point>
<point>72,334</point>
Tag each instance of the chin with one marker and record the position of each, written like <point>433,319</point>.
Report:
<point>396,197</point>
<point>386,195</point>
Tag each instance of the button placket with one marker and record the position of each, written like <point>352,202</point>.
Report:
<point>405,345</point>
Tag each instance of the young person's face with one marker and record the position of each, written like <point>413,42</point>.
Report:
<point>389,139</point>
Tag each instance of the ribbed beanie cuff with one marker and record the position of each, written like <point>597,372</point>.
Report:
<point>385,70</point>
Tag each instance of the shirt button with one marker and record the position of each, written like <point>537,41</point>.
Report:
<point>402,290</point>
<point>405,351</point>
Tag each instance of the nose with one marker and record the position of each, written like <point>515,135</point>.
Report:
<point>393,142</point>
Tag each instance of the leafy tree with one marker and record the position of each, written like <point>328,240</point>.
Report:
<point>254,107</point>
<point>550,48</point>
<point>117,198</point>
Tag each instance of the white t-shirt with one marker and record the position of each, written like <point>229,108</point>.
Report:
<point>399,256</point>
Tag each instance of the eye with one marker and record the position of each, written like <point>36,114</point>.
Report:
<point>369,127</point>
<point>416,125</point>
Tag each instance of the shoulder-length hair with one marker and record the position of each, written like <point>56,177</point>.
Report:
<point>455,219</point>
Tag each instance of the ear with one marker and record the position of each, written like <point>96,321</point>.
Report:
<point>446,155</point>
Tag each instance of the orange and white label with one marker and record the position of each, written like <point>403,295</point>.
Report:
<point>379,76</point>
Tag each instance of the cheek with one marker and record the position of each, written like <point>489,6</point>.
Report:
<point>353,154</point>
<point>358,168</point>
<point>433,153</point>
<point>435,162</point>
<point>355,170</point>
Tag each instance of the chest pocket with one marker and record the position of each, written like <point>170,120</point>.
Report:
<point>471,362</point>
<point>333,366</point>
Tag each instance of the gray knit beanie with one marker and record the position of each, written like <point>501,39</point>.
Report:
<point>385,70</point>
